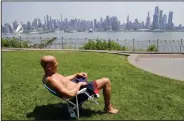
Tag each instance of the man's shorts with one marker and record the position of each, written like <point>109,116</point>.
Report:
<point>92,89</point>
<point>94,86</point>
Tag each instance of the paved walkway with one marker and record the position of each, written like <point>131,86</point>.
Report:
<point>171,66</point>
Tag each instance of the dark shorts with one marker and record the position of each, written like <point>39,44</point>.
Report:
<point>92,89</point>
<point>94,86</point>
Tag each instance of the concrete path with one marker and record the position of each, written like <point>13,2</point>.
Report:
<point>171,66</point>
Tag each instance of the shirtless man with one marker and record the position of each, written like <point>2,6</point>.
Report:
<point>68,88</point>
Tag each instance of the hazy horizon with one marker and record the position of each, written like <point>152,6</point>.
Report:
<point>27,11</point>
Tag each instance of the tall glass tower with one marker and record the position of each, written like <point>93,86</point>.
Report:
<point>160,19</point>
<point>156,18</point>
<point>164,20</point>
<point>170,18</point>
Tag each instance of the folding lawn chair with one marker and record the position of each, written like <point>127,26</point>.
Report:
<point>73,103</point>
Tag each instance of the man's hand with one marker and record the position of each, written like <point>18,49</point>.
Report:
<point>82,74</point>
<point>83,83</point>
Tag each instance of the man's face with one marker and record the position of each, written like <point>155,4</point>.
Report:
<point>53,66</point>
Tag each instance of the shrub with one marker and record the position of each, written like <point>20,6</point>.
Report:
<point>102,45</point>
<point>123,48</point>
<point>15,43</point>
<point>99,45</point>
<point>4,43</point>
<point>90,45</point>
<point>113,45</point>
<point>152,48</point>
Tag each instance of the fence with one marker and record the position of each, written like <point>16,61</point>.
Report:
<point>164,46</point>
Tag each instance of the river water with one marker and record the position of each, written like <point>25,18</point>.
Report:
<point>111,35</point>
<point>165,41</point>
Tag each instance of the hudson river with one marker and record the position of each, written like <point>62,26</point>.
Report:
<point>111,35</point>
<point>167,41</point>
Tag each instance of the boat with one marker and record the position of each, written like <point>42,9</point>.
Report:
<point>156,30</point>
<point>70,31</point>
<point>56,32</point>
<point>181,30</point>
<point>36,32</point>
<point>90,30</point>
<point>39,31</point>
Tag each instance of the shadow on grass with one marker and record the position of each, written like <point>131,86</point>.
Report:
<point>57,112</point>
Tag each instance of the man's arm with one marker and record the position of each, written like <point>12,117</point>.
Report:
<point>63,90</point>
<point>82,74</point>
<point>71,77</point>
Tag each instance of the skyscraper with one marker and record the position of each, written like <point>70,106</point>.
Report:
<point>35,22</point>
<point>3,29</point>
<point>136,21</point>
<point>148,21</point>
<point>155,18</point>
<point>47,19</point>
<point>160,19</point>
<point>29,25</point>
<point>164,20</point>
<point>15,25</point>
<point>142,24</point>
<point>39,23</point>
<point>50,19</point>
<point>95,23</point>
<point>128,23</point>
<point>128,19</point>
<point>7,30</point>
<point>61,18</point>
<point>170,18</point>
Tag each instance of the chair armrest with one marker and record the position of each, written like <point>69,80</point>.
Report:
<point>81,91</point>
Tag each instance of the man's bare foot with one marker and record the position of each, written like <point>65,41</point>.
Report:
<point>110,109</point>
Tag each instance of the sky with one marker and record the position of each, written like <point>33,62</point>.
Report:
<point>27,11</point>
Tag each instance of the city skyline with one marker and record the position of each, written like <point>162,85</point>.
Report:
<point>14,9</point>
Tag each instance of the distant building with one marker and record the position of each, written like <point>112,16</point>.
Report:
<point>7,29</point>
<point>170,23</point>
<point>24,27</point>
<point>155,24</point>
<point>160,19</point>
<point>95,23</point>
<point>142,24</point>
<point>15,25</point>
<point>47,20</point>
<point>147,25</point>
<point>29,27</point>
<point>180,26</point>
<point>61,18</point>
<point>39,23</point>
<point>128,19</point>
<point>128,24</point>
<point>3,29</point>
<point>91,24</point>
<point>164,21</point>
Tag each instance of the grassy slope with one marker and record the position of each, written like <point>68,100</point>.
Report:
<point>136,93</point>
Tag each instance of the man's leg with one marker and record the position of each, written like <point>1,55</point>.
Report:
<point>105,84</point>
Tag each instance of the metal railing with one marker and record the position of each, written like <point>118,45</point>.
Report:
<point>163,46</point>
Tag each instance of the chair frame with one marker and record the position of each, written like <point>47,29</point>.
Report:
<point>75,106</point>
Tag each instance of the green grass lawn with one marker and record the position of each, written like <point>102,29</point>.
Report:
<point>136,93</point>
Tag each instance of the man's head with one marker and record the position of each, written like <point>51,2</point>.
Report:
<point>49,63</point>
